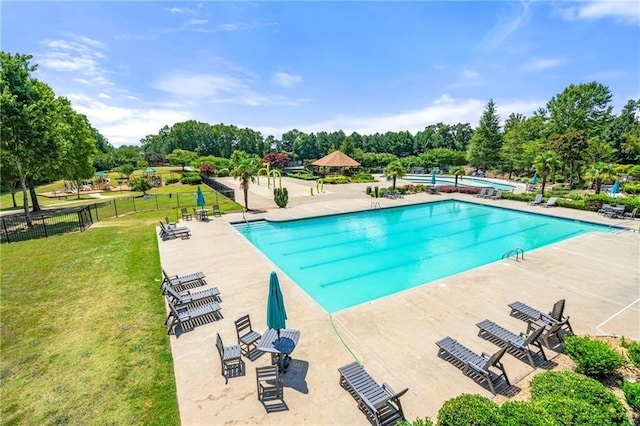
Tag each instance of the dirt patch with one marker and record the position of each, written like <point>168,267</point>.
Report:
<point>564,363</point>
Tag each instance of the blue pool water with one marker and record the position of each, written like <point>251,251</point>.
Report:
<point>348,259</point>
<point>450,180</point>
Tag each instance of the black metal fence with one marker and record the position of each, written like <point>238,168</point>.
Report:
<point>14,228</point>
<point>51,222</point>
<point>217,186</point>
<point>117,207</point>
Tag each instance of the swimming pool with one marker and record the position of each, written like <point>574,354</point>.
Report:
<point>348,259</point>
<point>450,180</point>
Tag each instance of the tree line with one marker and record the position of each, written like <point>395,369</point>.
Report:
<point>43,138</point>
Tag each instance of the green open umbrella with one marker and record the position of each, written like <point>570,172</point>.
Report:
<point>200,198</point>
<point>276,313</point>
<point>616,187</point>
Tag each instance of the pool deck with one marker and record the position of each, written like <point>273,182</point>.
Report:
<point>393,337</point>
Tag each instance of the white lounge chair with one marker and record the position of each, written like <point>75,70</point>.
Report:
<point>536,201</point>
<point>551,202</point>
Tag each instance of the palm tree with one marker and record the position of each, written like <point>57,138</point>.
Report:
<point>598,173</point>
<point>457,171</point>
<point>545,164</point>
<point>245,168</point>
<point>395,170</point>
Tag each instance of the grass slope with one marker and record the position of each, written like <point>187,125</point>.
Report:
<point>82,333</point>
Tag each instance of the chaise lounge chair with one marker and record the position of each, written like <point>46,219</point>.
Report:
<point>184,282</point>
<point>554,322</point>
<point>498,195</point>
<point>482,193</point>
<point>187,298</point>
<point>181,231</point>
<point>379,403</point>
<point>188,317</point>
<point>516,344</point>
<point>473,364</point>
<point>551,202</point>
<point>489,193</point>
<point>536,201</point>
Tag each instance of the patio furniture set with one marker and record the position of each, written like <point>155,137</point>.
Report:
<point>251,344</point>
<point>617,211</point>
<point>542,329</point>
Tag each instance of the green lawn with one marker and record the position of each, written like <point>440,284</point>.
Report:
<point>82,334</point>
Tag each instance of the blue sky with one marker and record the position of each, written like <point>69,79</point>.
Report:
<point>133,67</point>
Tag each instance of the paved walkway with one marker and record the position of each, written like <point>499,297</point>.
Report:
<point>394,337</point>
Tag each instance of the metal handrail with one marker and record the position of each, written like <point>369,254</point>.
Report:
<point>375,205</point>
<point>517,251</point>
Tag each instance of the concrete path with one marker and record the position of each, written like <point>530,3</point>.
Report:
<point>394,337</point>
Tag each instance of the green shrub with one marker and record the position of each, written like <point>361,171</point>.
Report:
<point>631,188</point>
<point>570,385</point>
<point>224,172</point>
<point>281,197</point>
<point>632,394</point>
<point>303,175</point>
<point>593,357</point>
<point>521,413</point>
<point>336,179</point>
<point>417,422</point>
<point>169,181</point>
<point>468,409</point>
<point>362,177</point>
<point>191,180</point>
<point>633,349</point>
<point>570,411</point>
<point>140,184</point>
<point>518,197</point>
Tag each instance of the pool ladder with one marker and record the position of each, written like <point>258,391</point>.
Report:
<point>375,205</point>
<point>517,251</point>
<point>245,217</point>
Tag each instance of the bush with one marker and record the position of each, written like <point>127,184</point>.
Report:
<point>169,181</point>
<point>140,184</point>
<point>631,188</point>
<point>191,180</point>
<point>336,179</point>
<point>468,409</point>
<point>303,175</point>
<point>593,357</point>
<point>570,411</point>
<point>521,413</point>
<point>578,387</point>
<point>362,177</point>
<point>633,349</point>
<point>224,172</point>
<point>417,422</point>
<point>632,394</point>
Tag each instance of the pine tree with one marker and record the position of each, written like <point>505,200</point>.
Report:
<point>486,142</point>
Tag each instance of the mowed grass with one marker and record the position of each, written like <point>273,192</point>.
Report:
<point>82,334</point>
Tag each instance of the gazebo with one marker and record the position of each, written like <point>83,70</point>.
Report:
<point>336,159</point>
<point>150,175</point>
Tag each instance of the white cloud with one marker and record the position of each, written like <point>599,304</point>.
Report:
<point>217,88</point>
<point>507,24</point>
<point>624,11</point>
<point>284,79</point>
<point>81,56</point>
<point>104,96</point>
<point>445,109</point>
<point>543,64</point>
<point>470,75</point>
<point>197,22</point>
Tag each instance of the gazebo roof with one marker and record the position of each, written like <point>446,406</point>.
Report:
<point>336,159</point>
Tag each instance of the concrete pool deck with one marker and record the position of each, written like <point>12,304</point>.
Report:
<point>394,337</point>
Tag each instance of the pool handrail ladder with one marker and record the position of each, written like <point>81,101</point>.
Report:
<point>517,251</point>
